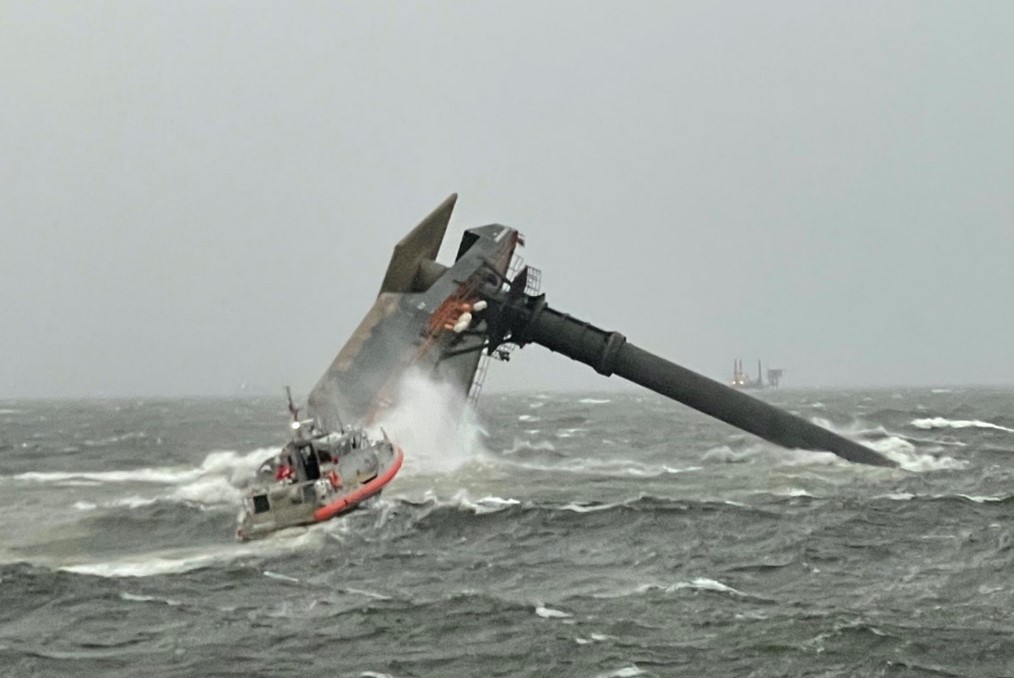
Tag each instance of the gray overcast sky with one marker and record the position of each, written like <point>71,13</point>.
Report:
<point>198,195</point>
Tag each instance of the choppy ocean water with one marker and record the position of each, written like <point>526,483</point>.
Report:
<point>565,535</point>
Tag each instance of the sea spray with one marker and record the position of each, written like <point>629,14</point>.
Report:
<point>433,423</point>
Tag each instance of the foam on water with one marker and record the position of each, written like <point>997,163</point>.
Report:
<point>625,672</point>
<point>897,496</point>
<point>231,466</point>
<point>598,466</point>
<point>187,560</point>
<point>793,492</point>
<point>589,508</point>
<point>772,454</point>
<point>217,481</point>
<point>208,491</point>
<point>569,432</point>
<point>550,613</point>
<point>941,422</point>
<point>124,595</point>
<point>897,448</point>
<point>537,445</point>
<point>704,584</point>
<point>982,499</point>
<point>464,502</point>
<point>281,577</point>
<point>366,594</point>
<point>907,457</point>
<point>146,567</point>
<point>487,504</point>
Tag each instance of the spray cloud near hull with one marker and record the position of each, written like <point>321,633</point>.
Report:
<point>434,422</point>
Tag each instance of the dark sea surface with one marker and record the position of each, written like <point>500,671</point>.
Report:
<point>565,534</point>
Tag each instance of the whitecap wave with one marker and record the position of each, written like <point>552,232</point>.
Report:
<point>208,491</point>
<point>793,492</point>
<point>581,507</point>
<point>898,449</point>
<point>982,498</point>
<point>131,502</point>
<point>112,440</point>
<point>483,505</point>
<point>941,422</point>
<point>533,445</point>
<point>132,597</point>
<point>550,613</point>
<point>218,480</point>
<point>609,467</point>
<point>569,432</point>
<point>366,593</point>
<point>896,496</point>
<point>463,501</point>
<point>776,455</point>
<point>233,466</point>
<point>625,672</point>
<point>704,584</point>
<point>904,453</point>
<point>187,560</point>
<point>147,567</point>
<point>281,577</point>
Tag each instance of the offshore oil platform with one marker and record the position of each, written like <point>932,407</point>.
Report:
<point>740,379</point>
<point>450,320</point>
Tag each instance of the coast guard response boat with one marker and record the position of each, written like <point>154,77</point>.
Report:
<point>318,475</point>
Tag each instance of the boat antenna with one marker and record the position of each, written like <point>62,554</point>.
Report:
<point>316,422</point>
<point>293,410</point>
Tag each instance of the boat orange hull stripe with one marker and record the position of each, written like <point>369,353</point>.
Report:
<point>363,493</point>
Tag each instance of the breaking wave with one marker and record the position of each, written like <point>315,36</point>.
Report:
<point>725,454</point>
<point>906,455</point>
<point>899,449</point>
<point>218,480</point>
<point>941,422</point>
<point>230,465</point>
